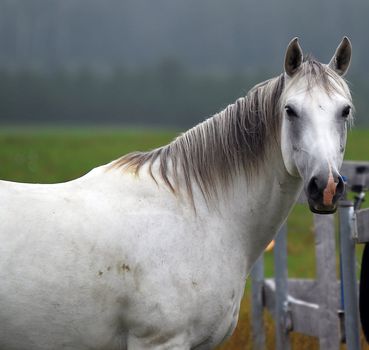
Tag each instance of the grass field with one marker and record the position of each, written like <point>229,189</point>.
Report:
<point>55,155</point>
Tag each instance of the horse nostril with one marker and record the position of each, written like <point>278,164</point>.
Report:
<point>340,187</point>
<point>313,188</point>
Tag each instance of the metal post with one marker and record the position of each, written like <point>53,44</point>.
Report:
<point>349,279</point>
<point>257,277</point>
<point>281,303</point>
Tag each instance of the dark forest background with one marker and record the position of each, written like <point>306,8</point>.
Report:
<point>161,62</point>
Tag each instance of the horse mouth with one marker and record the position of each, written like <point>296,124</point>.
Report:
<point>318,209</point>
<point>318,206</point>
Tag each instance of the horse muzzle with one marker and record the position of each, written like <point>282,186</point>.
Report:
<point>323,192</point>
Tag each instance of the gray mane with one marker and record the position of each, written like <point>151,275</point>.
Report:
<point>235,140</point>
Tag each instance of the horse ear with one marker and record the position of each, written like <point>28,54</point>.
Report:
<point>340,62</point>
<point>293,59</point>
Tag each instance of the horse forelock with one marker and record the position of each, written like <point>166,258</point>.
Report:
<point>313,73</point>
<point>233,141</point>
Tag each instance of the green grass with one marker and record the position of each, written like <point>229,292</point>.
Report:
<point>57,155</point>
<point>50,155</point>
<point>358,145</point>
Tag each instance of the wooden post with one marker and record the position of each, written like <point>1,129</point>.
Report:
<point>329,333</point>
<point>281,304</point>
<point>257,277</point>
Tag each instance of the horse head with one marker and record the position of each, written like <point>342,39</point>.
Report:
<point>316,110</point>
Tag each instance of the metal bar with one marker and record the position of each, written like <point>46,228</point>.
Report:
<point>362,218</point>
<point>349,280</point>
<point>328,321</point>
<point>281,304</point>
<point>257,282</point>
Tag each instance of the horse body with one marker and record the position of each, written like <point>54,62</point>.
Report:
<point>116,260</point>
<point>101,261</point>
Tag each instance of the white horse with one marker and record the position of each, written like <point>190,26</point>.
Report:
<point>152,251</point>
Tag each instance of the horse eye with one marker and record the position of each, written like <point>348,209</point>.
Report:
<point>346,111</point>
<point>290,111</point>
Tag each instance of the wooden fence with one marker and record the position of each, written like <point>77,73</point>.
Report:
<point>326,308</point>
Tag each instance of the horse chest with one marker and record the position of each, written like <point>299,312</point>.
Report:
<point>206,318</point>
<point>203,303</point>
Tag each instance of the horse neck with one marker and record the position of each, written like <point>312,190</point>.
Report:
<point>246,210</point>
<point>258,207</point>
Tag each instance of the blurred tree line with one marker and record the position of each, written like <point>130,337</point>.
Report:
<point>165,94</point>
<point>97,61</point>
